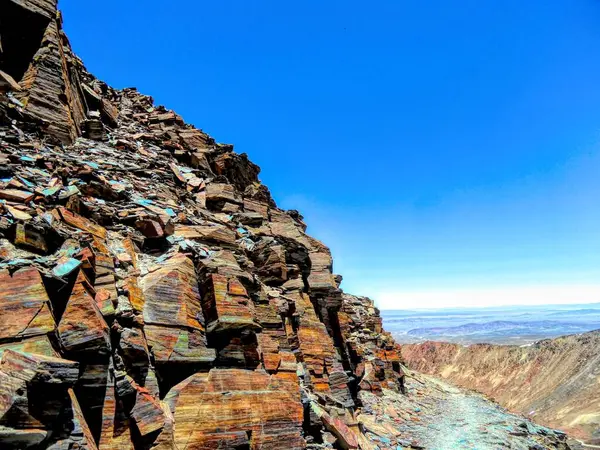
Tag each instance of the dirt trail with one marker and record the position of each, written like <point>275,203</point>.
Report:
<point>464,420</point>
<point>557,379</point>
<point>443,417</point>
<point>584,445</point>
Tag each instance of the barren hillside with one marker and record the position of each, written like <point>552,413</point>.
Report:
<point>555,381</point>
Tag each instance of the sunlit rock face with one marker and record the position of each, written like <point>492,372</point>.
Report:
<point>152,294</point>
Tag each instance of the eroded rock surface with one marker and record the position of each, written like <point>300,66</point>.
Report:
<point>149,278</point>
<point>152,294</point>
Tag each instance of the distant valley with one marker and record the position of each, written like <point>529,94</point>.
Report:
<point>554,381</point>
<point>515,325</point>
<point>539,361</point>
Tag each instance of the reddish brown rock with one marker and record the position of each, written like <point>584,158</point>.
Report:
<point>49,76</point>
<point>258,207</point>
<point>374,356</point>
<point>216,233</point>
<point>104,285</point>
<point>35,395</point>
<point>228,407</point>
<point>226,305</point>
<point>82,223</point>
<point>318,352</point>
<point>238,169</point>
<point>125,233</point>
<point>270,259</point>
<point>217,192</point>
<point>321,279</point>
<point>200,161</point>
<point>224,263</point>
<point>135,353</point>
<point>80,433</point>
<point>135,293</point>
<point>24,305</point>
<point>153,228</point>
<point>115,432</point>
<point>35,368</point>
<point>346,437</point>
<point>173,314</point>
<point>147,413</point>
<point>171,295</point>
<point>195,139</point>
<point>39,345</point>
<point>284,226</point>
<point>15,195</point>
<point>82,329</point>
<point>45,8</point>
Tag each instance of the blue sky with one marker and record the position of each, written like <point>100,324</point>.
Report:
<point>447,152</point>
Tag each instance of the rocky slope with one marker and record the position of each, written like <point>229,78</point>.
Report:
<point>152,294</point>
<point>435,415</point>
<point>555,381</point>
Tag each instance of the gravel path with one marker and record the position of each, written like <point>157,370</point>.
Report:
<point>465,420</point>
<point>437,416</point>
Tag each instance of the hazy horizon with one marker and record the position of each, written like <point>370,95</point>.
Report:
<point>491,297</point>
<point>515,325</point>
<point>591,305</point>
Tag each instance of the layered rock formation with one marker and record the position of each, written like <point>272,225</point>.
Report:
<point>554,381</point>
<point>152,294</point>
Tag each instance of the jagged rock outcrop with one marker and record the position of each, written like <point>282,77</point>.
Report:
<point>152,294</point>
<point>554,381</point>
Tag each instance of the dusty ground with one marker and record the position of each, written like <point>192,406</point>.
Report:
<point>437,416</point>
<point>556,381</point>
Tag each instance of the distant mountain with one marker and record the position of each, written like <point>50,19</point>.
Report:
<point>518,325</point>
<point>497,325</point>
<point>576,312</point>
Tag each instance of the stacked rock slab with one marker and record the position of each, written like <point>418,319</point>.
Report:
<point>373,354</point>
<point>152,294</point>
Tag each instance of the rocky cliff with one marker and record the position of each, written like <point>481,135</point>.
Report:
<point>152,294</point>
<point>555,381</point>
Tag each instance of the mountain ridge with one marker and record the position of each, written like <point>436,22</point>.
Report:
<point>153,295</point>
<point>148,277</point>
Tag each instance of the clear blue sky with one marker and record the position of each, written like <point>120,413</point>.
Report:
<point>435,146</point>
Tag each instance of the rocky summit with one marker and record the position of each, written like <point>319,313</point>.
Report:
<point>153,295</point>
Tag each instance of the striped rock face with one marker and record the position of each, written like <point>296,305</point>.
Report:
<point>152,294</point>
